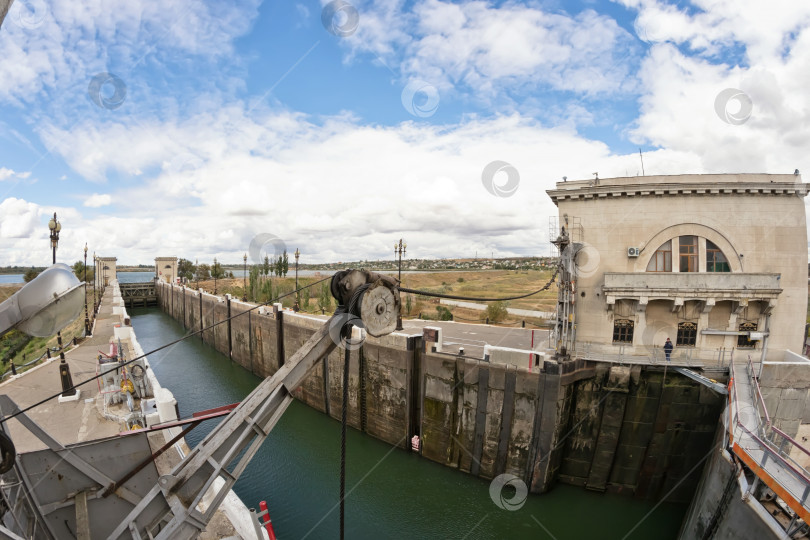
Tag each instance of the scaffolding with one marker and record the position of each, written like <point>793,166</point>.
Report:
<point>567,239</point>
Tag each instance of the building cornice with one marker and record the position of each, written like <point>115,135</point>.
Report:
<point>596,191</point>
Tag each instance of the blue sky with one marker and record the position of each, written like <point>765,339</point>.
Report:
<point>189,128</point>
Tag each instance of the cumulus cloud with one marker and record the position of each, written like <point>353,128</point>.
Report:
<point>97,200</point>
<point>18,218</point>
<point>678,106</point>
<point>476,47</point>
<point>340,189</point>
<point>9,174</point>
<point>61,45</point>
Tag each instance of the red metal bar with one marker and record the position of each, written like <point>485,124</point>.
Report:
<point>267,523</point>
<point>197,417</point>
<point>786,436</point>
<point>227,408</point>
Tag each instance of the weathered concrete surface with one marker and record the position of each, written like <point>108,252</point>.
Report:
<point>720,510</point>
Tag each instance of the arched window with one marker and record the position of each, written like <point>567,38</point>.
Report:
<point>715,260</point>
<point>686,249</point>
<point>687,334</point>
<point>661,260</point>
<point>744,341</point>
<point>623,331</point>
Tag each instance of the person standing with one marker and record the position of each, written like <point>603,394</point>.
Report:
<point>668,349</point>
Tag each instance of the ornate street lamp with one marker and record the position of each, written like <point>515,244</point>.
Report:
<point>244,279</point>
<point>399,249</point>
<point>55,227</point>
<point>64,370</point>
<point>95,278</point>
<point>214,271</point>
<point>296,307</point>
<point>86,318</point>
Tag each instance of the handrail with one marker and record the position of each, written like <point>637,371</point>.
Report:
<point>766,446</point>
<point>759,393</point>
<point>792,441</point>
<point>794,471</point>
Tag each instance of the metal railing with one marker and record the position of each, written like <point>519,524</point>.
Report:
<point>628,354</point>
<point>752,440</point>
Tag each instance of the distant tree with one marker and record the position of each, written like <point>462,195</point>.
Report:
<point>79,269</point>
<point>496,311</point>
<point>216,270</point>
<point>325,297</point>
<point>266,266</point>
<point>304,299</point>
<point>285,266</point>
<point>444,314</point>
<point>185,269</point>
<point>203,272</point>
<point>230,274</point>
<point>253,282</point>
<point>279,266</point>
<point>30,274</point>
<point>408,304</point>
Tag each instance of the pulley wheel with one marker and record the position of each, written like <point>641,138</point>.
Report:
<point>378,310</point>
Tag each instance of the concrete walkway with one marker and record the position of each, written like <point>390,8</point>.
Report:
<point>73,421</point>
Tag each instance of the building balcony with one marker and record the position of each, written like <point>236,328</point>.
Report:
<point>645,286</point>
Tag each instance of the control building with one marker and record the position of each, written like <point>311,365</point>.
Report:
<point>714,262</point>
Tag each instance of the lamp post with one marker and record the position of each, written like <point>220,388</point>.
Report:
<point>214,271</point>
<point>95,278</point>
<point>399,249</point>
<point>86,318</point>
<point>244,279</point>
<point>296,307</point>
<point>55,227</point>
<point>64,370</point>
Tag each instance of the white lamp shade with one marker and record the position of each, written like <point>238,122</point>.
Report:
<point>46,305</point>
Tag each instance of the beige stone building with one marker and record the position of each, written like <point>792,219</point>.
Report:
<point>105,270</point>
<point>166,269</point>
<point>711,261</point>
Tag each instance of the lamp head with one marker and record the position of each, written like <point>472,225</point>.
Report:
<point>45,305</point>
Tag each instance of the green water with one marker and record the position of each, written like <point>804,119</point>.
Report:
<point>392,493</point>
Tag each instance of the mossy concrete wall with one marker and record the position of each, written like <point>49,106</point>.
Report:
<point>630,430</point>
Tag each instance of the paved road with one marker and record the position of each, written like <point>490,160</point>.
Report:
<point>473,337</point>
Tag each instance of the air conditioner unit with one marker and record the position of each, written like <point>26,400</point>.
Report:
<point>633,252</point>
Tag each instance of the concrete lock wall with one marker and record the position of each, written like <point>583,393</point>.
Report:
<point>636,431</point>
<point>720,508</point>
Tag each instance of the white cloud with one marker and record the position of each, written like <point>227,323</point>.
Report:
<point>18,218</point>
<point>97,200</point>
<point>61,45</point>
<point>487,50</point>
<point>678,105</point>
<point>338,190</point>
<point>9,174</point>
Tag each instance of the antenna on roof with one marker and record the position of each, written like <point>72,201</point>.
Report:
<point>641,157</point>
